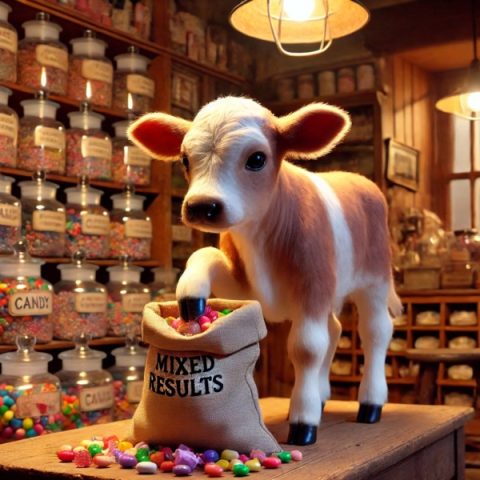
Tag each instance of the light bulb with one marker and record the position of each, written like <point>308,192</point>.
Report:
<point>299,10</point>
<point>472,101</point>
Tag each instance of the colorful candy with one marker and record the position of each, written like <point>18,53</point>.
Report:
<point>10,216</point>
<point>194,327</point>
<point>138,248</point>
<point>8,49</point>
<point>8,125</point>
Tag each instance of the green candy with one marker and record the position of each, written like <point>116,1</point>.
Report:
<point>3,409</point>
<point>240,470</point>
<point>225,311</point>
<point>142,455</point>
<point>94,449</point>
<point>285,457</point>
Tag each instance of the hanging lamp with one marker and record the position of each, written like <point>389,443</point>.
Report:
<point>465,102</point>
<point>288,22</point>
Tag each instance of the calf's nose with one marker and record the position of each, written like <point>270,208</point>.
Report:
<point>203,210</point>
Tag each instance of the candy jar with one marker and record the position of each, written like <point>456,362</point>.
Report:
<point>127,297</point>
<point>41,138</point>
<point>10,216</point>
<point>25,298</point>
<point>89,149</point>
<point>8,46</point>
<point>128,377</point>
<point>43,217</point>
<point>80,303</point>
<point>129,163</point>
<point>164,283</point>
<point>130,227</point>
<point>29,395</point>
<point>42,58</point>
<point>91,72</point>
<point>87,388</point>
<point>8,126</point>
<point>133,89</point>
<point>88,223</point>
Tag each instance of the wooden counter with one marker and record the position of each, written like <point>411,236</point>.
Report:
<point>411,442</point>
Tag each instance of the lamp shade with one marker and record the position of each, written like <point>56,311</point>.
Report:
<point>251,17</point>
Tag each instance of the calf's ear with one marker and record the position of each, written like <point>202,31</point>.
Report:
<point>312,131</point>
<point>160,135</point>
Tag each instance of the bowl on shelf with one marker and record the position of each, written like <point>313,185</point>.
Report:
<point>427,318</point>
<point>462,318</point>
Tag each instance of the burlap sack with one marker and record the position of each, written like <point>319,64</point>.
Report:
<point>199,390</point>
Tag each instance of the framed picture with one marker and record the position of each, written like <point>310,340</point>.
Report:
<point>185,91</point>
<point>402,164</point>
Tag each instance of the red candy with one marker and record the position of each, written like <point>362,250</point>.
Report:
<point>158,458</point>
<point>66,455</point>
<point>167,466</point>
<point>82,459</point>
<point>271,462</point>
<point>213,470</point>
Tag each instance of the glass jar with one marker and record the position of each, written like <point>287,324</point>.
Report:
<point>80,303</point>
<point>41,138</point>
<point>127,297</point>
<point>8,127</point>
<point>8,46</point>
<point>42,58</point>
<point>10,216</point>
<point>29,395</point>
<point>25,298</point>
<point>305,86</point>
<point>43,218</point>
<point>130,227</point>
<point>133,89</point>
<point>87,388</point>
<point>346,80</point>
<point>88,223</point>
<point>90,75</point>
<point>89,149</point>
<point>164,284</point>
<point>127,376</point>
<point>130,164</point>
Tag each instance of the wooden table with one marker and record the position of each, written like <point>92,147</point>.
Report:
<point>411,442</point>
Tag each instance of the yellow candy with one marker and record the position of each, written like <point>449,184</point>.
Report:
<point>80,448</point>
<point>131,451</point>
<point>233,462</point>
<point>8,415</point>
<point>229,454</point>
<point>27,423</point>
<point>254,465</point>
<point>124,445</point>
<point>85,443</point>
<point>223,463</point>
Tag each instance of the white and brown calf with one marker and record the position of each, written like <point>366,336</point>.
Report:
<point>298,242</point>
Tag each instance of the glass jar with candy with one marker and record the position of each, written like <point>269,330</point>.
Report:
<point>127,297</point>
<point>129,163</point>
<point>8,128</point>
<point>90,75</point>
<point>164,283</point>
<point>41,138</point>
<point>133,89</point>
<point>87,388</point>
<point>128,377</point>
<point>43,217</point>
<point>130,227</point>
<point>8,46</point>
<point>25,298</point>
<point>88,223</point>
<point>42,58</point>
<point>80,303</point>
<point>29,395</point>
<point>89,149</point>
<point>10,216</point>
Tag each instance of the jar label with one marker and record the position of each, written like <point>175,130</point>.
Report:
<point>38,404</point>
<point>10,215</point>
<point>134,302</point>
<point>134,391</point>
<point>8,39</point>
<point>96,147</point>
<point>138,228</point>
<point>9,126</point>
<point>44,221</point>
<point>96,70</point>
<point>94,224</point>
<point>96,398</point>
<point>52,57</point>
<point>459,255</point>
<point>91,302</point>
<point>140,85</point>
<point>33,302</point>
<point>135,157</point>
<point>49,137</point>
<point>181,233</point>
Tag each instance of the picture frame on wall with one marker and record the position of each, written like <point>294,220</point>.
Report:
<point>402,164</point>
<point>185,91</point>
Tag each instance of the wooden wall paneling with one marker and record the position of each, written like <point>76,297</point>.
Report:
<point>398,98</point>
<point>408,81</point>
<point>160,21</point>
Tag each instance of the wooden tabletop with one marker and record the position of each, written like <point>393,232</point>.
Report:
<point>443,354</point>
<point>344,449</point>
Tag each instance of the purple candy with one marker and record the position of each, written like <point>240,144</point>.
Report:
<point>210,456</point>
<point>127,461</point>
<point>186,457</point>
<point>182,470</point>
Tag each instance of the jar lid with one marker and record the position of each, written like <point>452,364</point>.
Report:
<point>6,8</point>
<point>39,107</point>
<point>131,355</point>
<point>127,200</point>
<point>6,184</point>
<point>38,187</point>
<point>466,231</point>
<point>25,361</point>
<point>79,269</point>
<point>125,272</point>
<point>132,60</point>
<point>85,118</point>
<point>82,357</point>
<point>83,194</point>
<point>88,45</point>
<point>41,27</point>
<point>121,128</point>
<point>20,263</point>
<point>166,275</point>
<point>4,94</point>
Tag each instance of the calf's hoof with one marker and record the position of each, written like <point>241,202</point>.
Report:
<point>302,434</point>
<point>368,413</point>
<point>191,307</point>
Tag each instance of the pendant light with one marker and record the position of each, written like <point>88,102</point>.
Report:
<point>299,22</point>
<point>465,102</point>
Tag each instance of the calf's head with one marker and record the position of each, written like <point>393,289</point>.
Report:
<point>232,153</point>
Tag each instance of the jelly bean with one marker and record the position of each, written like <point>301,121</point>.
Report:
<point>233,462</point>
<point>127,461</point>
<point>82,458</point>
<point>229,454</point>
<point>240,470</point>
<point>297,455</point>
<point>254,465</point>
<point>124,445</point>
<point>243,458</point>
<point>285,457</point>
<point>142,454</point>
<point>94,449</point>
<point>271,462</point>
<point>223,463</point>
<point>256,453</point>
<point>27,423</point>
<point>182,470</point>
<point>213,470</point>
<point>210,456</point>
<point>146,467</point>
<point>157,458</point>
<point>103,461</point>
<point>66,455</point>
<point>167,466</point>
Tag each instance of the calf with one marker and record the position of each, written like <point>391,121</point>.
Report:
<point>296,241</point>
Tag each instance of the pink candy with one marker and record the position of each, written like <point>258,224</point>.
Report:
<point>82,459</point>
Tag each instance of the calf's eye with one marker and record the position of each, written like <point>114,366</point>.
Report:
<point>185,162</point>
<point>256,161</point>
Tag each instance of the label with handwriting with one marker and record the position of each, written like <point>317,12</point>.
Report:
<point>48,221</point>
<point>135,157</point>
<point>94,224</point>
<point>10,215</point>
<point>138,228</point>
<point>8,39</point>
<point>96,70</point>
<point>52,57</point>
<point>96,398</point>
<point>134,391</point>
<point>38,404</point>
<point>49,137</point>
<point>33,302</point>
<point>134,302</point>
<point>95,302</point>
<point>140,85</point>
<point>9,126</point>
<point>96,147</point>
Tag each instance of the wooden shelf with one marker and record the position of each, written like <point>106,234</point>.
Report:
<point>103,262</point>
<point>460,328</point>
<point>447,382</point>
<point>455,292</point>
